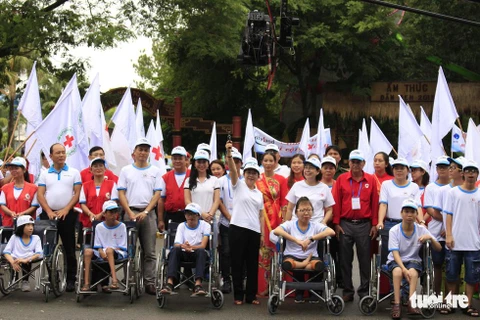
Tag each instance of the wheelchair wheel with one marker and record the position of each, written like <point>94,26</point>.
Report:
<point>217,299</point>
<point>6,279</point>
<point>333,273</point>
<point>161,300</point>
<point>368,305</point>
<point>138,273</point>
<point>58,276</point>
<point>273,302</point>
<point>336,306</point>
<point>47,293</point>
<point>132,293</point>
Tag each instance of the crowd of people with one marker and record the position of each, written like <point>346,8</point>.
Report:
<point>244,203</point>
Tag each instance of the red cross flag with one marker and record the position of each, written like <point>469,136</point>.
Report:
<point>156,156</point>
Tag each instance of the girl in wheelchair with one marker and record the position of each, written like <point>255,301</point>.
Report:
<point>404,244</point>
<point>110,244</point>
<point>23,248</point>
<point>301,245</point>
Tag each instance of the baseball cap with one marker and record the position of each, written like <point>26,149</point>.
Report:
<point>237,155</point>
<point>18,161</point>
<point>460,160</point>
<point>193,207</point>
<point>179,150</point>
<point>400,162</point>
<point>419,164</point>
<point>142,141</point>
<point>329,159</point>
<point>272,147</point>
<point>201,155</point>
<point>356,155</point>
<point>314,162</point>
<point>109,205</point>
<point>24,220</point>
<point>251,160</point>
<point>470,164</point>
<point>204,146</point>
<point>442,160</point>
<point>251,165</point>
<point>409,203</point>
<point>97,160</point>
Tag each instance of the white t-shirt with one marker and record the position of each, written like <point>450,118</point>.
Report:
<point>293,249</point>
<point>179,178</point>
<point>226,195</point>
<point>439,204</point>
<point>408,247</point>
<point>19,250</point>
<point>111,237</point>
<point>464,206</point>
<point>393,195</point>
<point>434,226</point>
<point>16,193</point>
<point>194,236</point>
<point>203,192</point>
<point>247,204</point>
<point>59,186</point>
<point>320,196</point>
<point>139,184</point>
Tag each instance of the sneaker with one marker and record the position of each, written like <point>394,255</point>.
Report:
<point>227,286</point>
<point>26,286</point>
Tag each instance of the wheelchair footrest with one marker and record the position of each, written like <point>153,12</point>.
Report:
<point>305,285</point>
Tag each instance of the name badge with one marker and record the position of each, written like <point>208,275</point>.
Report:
<point>356,204</point>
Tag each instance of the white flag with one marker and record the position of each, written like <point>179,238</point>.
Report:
<point>458,142</point>
<point>124,119</point>
<point>305,138</point>
<point>31,109</point>
<point>328,137</point>
<point>249,140</point>
<point>139,120</point>
<point>472,150</point>
<point>213,143</point>
<point>64,125</point>
<point>321,137</point>
<point>409,133</point>
<point>426,127</point>
<point>157,158</point>
<point>364,146</point>
<point>159,133</point>
<point>378,141</point>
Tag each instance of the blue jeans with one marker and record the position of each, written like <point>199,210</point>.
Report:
<point>454,261</point>
<point>409,265</point>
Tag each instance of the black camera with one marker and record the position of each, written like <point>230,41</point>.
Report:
<point>257,43</point>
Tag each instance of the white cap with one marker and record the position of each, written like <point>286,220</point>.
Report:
<point>251,160</point>
<point>24,220</point>
<point>204,146</point>
<point>470,164</point>
<point>442,160</point>
<point>194,207</point>
<point>98,160</point>
<point>237,155</point>
<point>179,150</point>
<point>234,150</point>
<point>201,155</point>
<point>460,160</point>
<point>251,165</point>
<point>400,161</point>
<point>109,205</point>
<point>272,147</point>
<point>142,141</point>
<point>314,162</point>
<point>18,161</point>
<point>419,164</point>
<point>409,203</point>
<point>356,155</point>
<point>329,159</point>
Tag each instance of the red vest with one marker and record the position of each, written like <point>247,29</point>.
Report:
<point>23,202</point>
<point>174,195</point>
<point>94,202</point>
<point>87,175</point>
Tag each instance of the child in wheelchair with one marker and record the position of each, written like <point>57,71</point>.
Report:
<point>190,242</point>
<point>23,248</point>
<point>110,244</point>
<point>404,262</point>
<point>301,245</point>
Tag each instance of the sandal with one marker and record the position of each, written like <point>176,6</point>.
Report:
<point>237,302</point>
<point>254,302</point>
<point>167,289</point>
<point>86,287</point>
<point>471,311</point>
<point>198,291</point>
<point>114,286</point>
<point>396,312</point>
<point>106,289</point>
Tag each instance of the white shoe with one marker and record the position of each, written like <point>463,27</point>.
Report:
<point>26,286</point>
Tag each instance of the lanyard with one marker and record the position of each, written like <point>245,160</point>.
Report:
<point>359,189</point>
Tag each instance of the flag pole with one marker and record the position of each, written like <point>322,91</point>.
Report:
<point>31,148</point>
<point>460,124</point>
<point>16,150</point>
<point>13,134</point>
<point>395,151</point>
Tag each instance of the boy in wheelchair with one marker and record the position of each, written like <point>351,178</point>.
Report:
<point>404,244</point>
<point>301,245</point>
<point>23,248</point>
<point>110,244</point>
<point>190,242</point>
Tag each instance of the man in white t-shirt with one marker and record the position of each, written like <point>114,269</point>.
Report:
<point>139,192</point>
<point>462,207</point>
<point>58,192</point>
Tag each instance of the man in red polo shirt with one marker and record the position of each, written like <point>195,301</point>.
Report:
<point>172,200</point>
<point>87,175</point>
<point>355,217</point>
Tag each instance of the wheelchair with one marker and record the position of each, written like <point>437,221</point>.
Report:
<point>324,281</point>
<point>132,283</point>
<point>212,267</point>
<point>369,304</point>
<point>49,272</point>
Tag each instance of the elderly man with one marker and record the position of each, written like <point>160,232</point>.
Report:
<point>355,216</point>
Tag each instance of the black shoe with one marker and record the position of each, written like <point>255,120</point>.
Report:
<point>150,289</point>
<point>227,286</point>
<point>70,286</point>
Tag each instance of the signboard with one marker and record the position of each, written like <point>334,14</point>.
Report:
<point>410,91</point>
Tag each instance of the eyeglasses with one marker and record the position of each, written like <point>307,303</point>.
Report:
<point>454,168</point>
<point>305,211</point>
<point>470,171</point>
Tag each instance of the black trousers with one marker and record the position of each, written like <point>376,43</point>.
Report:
<point>66,231</point>
<point>176,256</point>
<point>225,259</point>
<point>245,244</point>
<point>178,217</point>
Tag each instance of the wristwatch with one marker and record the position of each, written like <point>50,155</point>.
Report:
<point>146,211</point>
<point>311,239</point>
<point>422,221</point>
